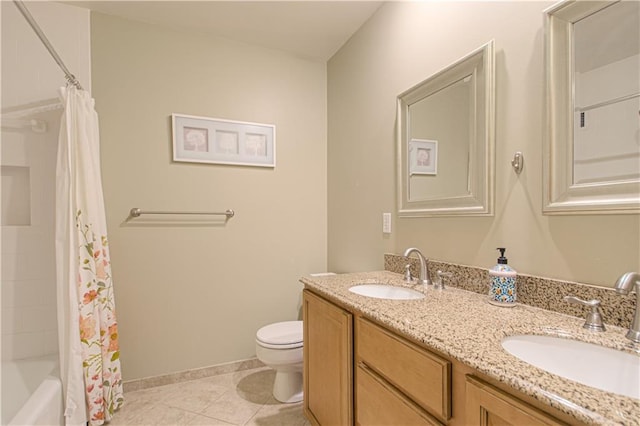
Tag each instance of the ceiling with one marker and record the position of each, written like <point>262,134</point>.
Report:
<point>311,29</point>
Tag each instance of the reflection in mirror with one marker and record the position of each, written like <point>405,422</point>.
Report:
<point>592,161</point>
<point>445,118</point>
<point>445,140</point>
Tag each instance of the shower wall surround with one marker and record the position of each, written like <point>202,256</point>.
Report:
<point>28,259</point>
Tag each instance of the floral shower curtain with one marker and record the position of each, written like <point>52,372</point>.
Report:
<point>88,331</point>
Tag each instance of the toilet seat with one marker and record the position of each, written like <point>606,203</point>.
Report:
<point>281,335</point>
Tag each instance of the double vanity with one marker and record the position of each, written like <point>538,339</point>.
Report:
<point>376,352</point>
<point>379,350</point>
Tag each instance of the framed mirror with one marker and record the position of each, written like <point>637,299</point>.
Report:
<point>592,143</point>
<point>445,140</point>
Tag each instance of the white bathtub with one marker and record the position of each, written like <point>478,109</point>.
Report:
<point>32,392</point>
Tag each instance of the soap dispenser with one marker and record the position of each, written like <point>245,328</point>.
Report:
<point>503,283</point>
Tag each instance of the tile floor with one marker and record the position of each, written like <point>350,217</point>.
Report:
<point>239,398</point>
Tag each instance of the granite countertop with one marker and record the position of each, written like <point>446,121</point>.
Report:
<point>463,325</point>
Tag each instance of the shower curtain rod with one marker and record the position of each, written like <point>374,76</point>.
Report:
<point>71,79</point>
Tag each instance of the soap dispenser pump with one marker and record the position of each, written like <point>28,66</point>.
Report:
<point>503,283</point>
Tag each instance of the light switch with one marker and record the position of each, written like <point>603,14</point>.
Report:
<point>386,223</point>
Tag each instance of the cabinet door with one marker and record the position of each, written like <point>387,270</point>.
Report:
<point>490,406</point>
<point>380,404</point>
<point>328,362</point>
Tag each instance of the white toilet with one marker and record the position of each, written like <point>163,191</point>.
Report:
<point>279,346</point>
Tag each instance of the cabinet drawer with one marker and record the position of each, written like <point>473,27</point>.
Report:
<point>421,375</point>
<point>379,404</point>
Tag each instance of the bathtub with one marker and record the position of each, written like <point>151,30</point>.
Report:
<point>32,392</point>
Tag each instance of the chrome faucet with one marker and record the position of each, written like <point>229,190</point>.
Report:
<point>623,286</point>
<point>424,265</point>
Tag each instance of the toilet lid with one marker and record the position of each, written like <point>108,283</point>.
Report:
<point>281,333</point>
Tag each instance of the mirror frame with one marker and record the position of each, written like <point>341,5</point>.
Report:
<point>560,195</point>
<point>481,179</point>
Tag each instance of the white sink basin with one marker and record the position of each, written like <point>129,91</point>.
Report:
<point>592,365</point>
<point>384,291</point>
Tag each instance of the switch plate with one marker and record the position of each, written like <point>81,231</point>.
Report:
<point>386,223</point>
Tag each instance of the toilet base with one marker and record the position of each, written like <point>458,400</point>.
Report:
<point>287,386</point>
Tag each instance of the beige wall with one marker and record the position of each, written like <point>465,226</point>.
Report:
<point>403,44</point>
<point>190,296</point>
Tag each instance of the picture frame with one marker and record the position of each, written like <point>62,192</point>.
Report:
<point>219,141</point>
<point>423,157</point>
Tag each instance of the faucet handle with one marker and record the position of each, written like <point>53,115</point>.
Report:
<point>407,273</point>
<point>441,279</point>
<point>594,318</point>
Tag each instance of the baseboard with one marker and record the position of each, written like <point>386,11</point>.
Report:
<point>198,373</point>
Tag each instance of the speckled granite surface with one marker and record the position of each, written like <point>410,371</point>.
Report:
<point>462,325</point>
<point>545,293</point>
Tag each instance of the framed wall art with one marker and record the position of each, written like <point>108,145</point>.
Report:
<point>423,157</point>
<point>218,141</point>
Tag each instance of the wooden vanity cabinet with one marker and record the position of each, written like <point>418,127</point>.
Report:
<point>487,405</point>
<point>380,403</point>
<point>328,362</point>
<point>415,381</point>
<point>398,381</point>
